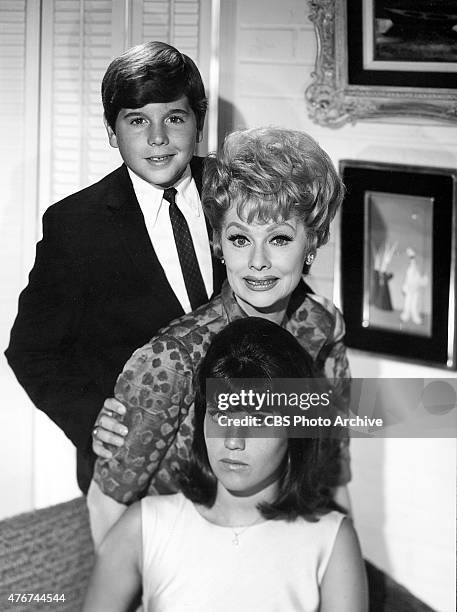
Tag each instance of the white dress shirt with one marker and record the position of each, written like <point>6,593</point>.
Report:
<point>157,219</point>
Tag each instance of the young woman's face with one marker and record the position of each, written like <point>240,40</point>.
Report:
<point>264,261</point>
<point>243,465</point>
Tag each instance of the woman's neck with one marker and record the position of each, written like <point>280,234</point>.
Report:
<point>275,313</point>
<point>231,510</point>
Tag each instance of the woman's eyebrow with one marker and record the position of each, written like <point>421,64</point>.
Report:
<point>272,228</point>
<point>277,226</point>
<point>244,228</point>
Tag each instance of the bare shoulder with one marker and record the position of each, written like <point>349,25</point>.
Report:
<point>347,539</point>
<point>125,534</point>
<point>344,586</point>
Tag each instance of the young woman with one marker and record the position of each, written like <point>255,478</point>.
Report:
<point>253,528</point>
<point>270,195</point>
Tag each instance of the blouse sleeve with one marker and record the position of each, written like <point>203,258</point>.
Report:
<point>156,388</point>
<point>335,363</point>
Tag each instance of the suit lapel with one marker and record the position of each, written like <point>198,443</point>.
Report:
<point>128,220</point>
<point>129,223</point>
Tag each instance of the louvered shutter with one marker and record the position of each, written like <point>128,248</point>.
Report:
<point>77,46</point>
<point>175,22</point>
<point>80,37</point>
<point>19,52</point>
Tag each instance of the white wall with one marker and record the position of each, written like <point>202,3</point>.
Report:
<point>403,491</point>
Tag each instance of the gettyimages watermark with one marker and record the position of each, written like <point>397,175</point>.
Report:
<point>359,407</point>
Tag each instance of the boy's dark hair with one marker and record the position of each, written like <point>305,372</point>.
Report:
<point>253,347</point>
<point>148,73</point>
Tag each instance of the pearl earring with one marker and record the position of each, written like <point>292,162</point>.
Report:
<point>222,261</point>
<point>309,259</point>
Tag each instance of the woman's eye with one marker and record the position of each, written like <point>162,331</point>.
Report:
<point>281,240</point>
<point>238,240</point>
<point>138,121</point>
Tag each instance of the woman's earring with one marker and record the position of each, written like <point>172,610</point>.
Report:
<point>309,259</point>
<point>222,261</point>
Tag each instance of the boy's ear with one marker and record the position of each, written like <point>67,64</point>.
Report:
<point>111,135</point>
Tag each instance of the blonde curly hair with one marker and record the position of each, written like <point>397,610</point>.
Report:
<point>272,174</point>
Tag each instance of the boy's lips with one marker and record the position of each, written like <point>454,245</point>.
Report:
<point>160,159</point>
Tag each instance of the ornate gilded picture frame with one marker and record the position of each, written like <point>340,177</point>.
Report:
<point>396,279</point>
<point>364,71</point>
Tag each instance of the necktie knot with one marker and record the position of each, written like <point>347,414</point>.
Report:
<point>169,195</point>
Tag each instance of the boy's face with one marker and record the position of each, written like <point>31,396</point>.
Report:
<point>156,141</point>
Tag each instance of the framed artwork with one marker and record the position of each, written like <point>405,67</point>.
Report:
<point>381,58</point>
<point>397,261</point>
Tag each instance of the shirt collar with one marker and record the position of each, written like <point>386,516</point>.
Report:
<point>152,196</point>
<point>231,306</point>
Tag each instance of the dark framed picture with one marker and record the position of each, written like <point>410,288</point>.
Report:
<point>411,37</point>
<point>397,267</point>
<point>400,59</point>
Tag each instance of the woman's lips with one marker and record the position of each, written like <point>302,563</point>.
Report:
<point>260,284</point>
<point>232,465</point>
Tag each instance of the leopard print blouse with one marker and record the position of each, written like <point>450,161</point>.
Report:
<point>156,386</point>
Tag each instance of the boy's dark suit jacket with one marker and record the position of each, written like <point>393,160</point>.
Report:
<point>96,293</point>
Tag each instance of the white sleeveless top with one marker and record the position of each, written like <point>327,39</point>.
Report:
<point>192,565</point>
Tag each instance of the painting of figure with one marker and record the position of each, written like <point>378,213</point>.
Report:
<point>398,263</point>
<point>412,285</point>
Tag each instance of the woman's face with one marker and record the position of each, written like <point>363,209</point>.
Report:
<point>264,262</point>
<point>242,464</point>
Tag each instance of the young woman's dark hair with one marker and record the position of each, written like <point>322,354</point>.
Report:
<point>255,348</point>
<point>149,73</point>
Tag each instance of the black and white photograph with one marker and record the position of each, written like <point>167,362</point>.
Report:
<point>228,352</point>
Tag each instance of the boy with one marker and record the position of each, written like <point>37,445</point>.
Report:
<point>123,257</point>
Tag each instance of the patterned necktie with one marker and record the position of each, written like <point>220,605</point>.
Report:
<point>186,252</point>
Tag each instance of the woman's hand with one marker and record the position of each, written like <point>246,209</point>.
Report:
<point>108,429</point>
